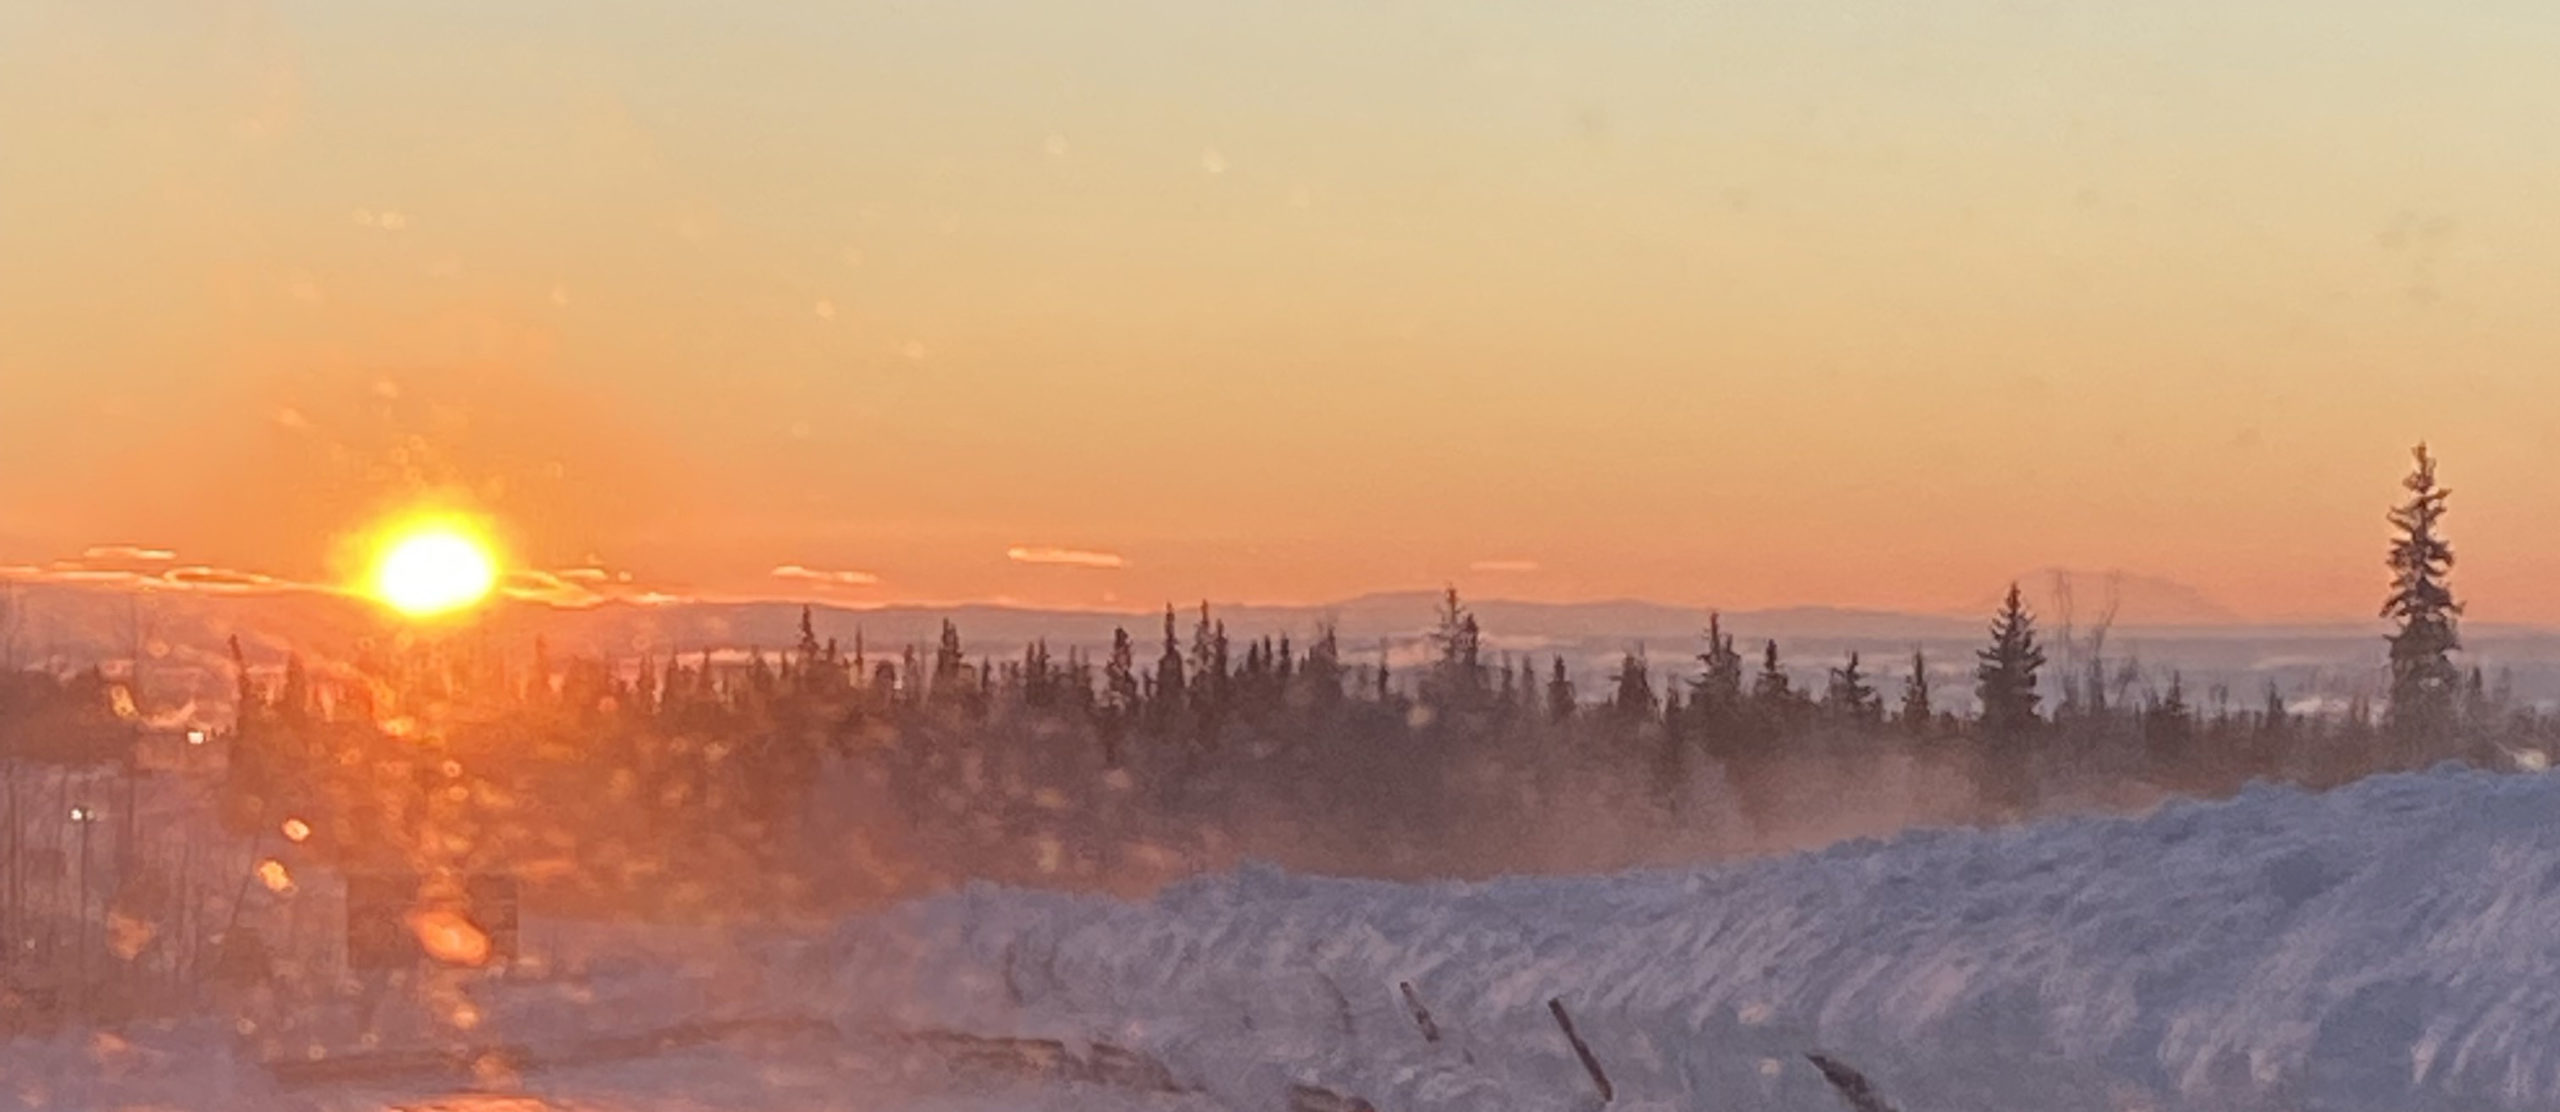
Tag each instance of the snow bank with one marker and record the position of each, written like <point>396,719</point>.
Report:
<point>163,1066</point>
<point>2394,945</point>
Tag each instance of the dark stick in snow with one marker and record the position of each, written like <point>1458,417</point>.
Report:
<point>1421,1015</point>
<point>1312,1098</point>
<point>1854,1086</point>
<point>1341,1002</point>
<point>1582,1050</point>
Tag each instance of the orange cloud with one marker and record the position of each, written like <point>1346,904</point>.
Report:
<point>131,567</point>
<point>548,588</point>
<point>579,587</point>
<point>226,581</point>
<point>1504,566</point>
<point>798,574</point>
<point>127,553</point>
<point>1065,557</point>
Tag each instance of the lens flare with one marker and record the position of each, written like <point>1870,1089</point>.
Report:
<point>272,873</point>
<point>450,938</point>
<point>431,568</point>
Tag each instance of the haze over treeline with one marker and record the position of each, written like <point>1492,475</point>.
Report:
<point>829,769</point>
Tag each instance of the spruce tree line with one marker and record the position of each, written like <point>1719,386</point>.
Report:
<point>707,765</point>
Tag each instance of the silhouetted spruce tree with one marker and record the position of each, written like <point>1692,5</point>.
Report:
<point>1078,679</point>
<point>2488,716</point>
<point>1039,683</point>
<point>2005,770</point>
<point>2169,729</point>
<point>2424,681</point>
<point>1166,702</point>
<point>1457,677</point>
<point>1918,717</point>
<point>2005,677</point>
<point>950,665</point>
<point>1322,677</point>
<point>1119,695</point>
<point>1772,689</point>
<point>1209,676</point>
<point>1850,700</point>
<point>2273,717</point>
<point>809,652</point>
<point>1716,701</point>
<point>644,692</point>
<point>1560,699</point>
<point>1632,701</point>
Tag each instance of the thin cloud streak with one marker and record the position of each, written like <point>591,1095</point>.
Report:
<point>1065,557</point>
<point>799,574</point>
<point>1514,566</point>
<point>128,553</point>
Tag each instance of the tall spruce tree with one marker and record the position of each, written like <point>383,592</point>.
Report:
<point>1633,701</point>
<point>1772,689</point>
<point>1210,674</point>
<point>1119,694</point>
<point>808,651</point>
<point>1559,693</point>
<point>1850,700</point>
<point>1918,716</point>
<point>1715,699</point>
<point>1457,678</point>
<point>2005,678</point>
<point>950,665</point>
<point>1322,676</point>
<point>2425,684</point>
<point>1165,703</point>
<point>2169,726</point>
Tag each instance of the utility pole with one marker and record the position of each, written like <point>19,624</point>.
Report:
<point>127,850</point>
<point>83,818</point>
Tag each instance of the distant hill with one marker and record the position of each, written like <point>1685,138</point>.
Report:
<point>2082,596</point>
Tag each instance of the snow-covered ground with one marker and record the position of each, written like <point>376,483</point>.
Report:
<point>2393,945</point>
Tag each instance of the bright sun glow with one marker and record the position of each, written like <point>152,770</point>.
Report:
<point>435,568</point>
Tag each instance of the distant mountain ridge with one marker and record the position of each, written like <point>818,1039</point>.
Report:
<point>2083,597</point>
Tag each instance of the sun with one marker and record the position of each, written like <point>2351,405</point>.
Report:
<point>432,568</point>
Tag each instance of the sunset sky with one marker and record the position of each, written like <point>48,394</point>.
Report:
<point>1742,303</point>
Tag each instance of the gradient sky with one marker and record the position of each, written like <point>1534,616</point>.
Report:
<point>1740,303</point>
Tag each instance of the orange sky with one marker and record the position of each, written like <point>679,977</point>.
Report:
<point>1743,304</point>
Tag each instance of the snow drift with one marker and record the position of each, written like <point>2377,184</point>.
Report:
<point>2392,945</point>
